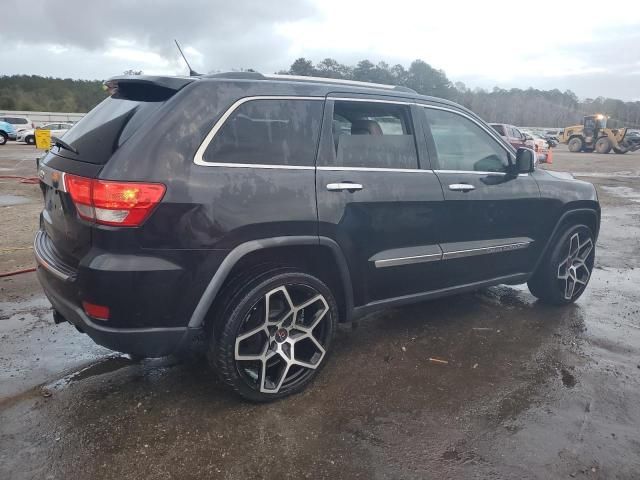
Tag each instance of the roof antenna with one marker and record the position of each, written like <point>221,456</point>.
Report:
<point>192,72</point>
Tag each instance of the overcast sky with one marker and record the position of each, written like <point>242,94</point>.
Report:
<point>544,44</point>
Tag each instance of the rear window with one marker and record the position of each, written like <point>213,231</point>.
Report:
<point>269,132</point>
<point>105,128</point>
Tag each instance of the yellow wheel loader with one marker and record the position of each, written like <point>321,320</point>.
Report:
<point>593,135</point>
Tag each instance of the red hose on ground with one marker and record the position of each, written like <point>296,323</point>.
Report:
<point>30,180</point>
<point>17,272</point>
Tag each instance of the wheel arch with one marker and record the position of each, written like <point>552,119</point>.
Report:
<point>589,216</point>
<point>290,251</point>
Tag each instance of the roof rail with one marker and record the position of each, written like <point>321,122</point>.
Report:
<point>339,81</point>
<point>237,75</point>
<point>301,78</point>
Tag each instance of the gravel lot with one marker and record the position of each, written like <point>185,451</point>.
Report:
<point>529,391</point>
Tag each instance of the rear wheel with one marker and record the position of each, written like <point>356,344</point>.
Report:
<point>564,273</point>
<point>3,138</point>
<point>30,140</point>
<point>620,150</point>
<point>603,145</point>
<point>575,144</point>
<point>274,334</point>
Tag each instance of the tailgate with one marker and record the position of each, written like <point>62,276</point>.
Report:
<point>67,236</point>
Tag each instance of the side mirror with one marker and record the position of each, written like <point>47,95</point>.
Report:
<point>525,160</point>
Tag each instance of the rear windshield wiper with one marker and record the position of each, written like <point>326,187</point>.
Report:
<point>62,144</point>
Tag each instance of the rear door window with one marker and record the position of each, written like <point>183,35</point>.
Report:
<point>373,135</point>
<point>269,132</point>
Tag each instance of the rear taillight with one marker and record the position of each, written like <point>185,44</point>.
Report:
<point>108,202</point>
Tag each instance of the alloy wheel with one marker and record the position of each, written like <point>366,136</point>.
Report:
<point>283,338</point>
<point>573,271</point>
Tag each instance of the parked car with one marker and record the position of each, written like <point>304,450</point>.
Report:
<point>18,122</point>
<point>290,205</point>
<point>57,130</point>
<point>512,135</point>
<point>552,140</point>
<point>541,146</point>
<point>6,132</point>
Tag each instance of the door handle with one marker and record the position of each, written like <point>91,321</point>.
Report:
<point>461,187</point>
<point>342,186</point>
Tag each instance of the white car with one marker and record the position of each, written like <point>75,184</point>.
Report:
<point>19,123</point>
<point>57,130</point>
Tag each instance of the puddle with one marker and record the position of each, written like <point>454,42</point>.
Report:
<point>107,365</point>
<point>7,199</point>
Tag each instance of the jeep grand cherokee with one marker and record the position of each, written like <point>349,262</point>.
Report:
<point>254,212</point>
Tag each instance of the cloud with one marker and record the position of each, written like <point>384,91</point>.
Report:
<point>483,44</point>
<point>237,33</point>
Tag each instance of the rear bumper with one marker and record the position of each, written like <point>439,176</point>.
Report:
<point>147,342</point>
<point>66,287</point>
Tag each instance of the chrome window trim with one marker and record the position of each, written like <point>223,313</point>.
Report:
<point>476,172</point>
<point>372,100</point>
<point>394,262</point>
<point>255,165</point>
<point>373,169</point>
<point>199,155</point>
<point>198,159</point>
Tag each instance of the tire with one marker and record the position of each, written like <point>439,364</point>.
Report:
<point>575,144</point>
<point>30,140</point>
<point>619,151</point>
<point>603,145</point>
<point>564,272</point>
<point>3,138</point>
<point>266,357</point>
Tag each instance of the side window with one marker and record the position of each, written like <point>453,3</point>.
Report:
<point>463,145</point>
<point>269,132</point>
<point>518,134</point>
<point>499,129</point>
<point>373,135</point>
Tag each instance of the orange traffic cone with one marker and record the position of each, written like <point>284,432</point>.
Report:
<point>550,156</point>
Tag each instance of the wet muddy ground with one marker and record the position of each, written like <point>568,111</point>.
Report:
<point>529,391</point>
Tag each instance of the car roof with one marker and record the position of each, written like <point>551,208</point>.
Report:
<point>301,84</point>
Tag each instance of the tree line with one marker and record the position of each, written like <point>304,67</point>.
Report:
<point>46,94</point>
<point>530,107</point>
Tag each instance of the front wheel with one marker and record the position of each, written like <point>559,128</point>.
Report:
<point>575,145</point>
<point>603,145</point>
<point>30,140</point>
<point>274,334</point>
<point>564,272</point>
<point>3,138</point>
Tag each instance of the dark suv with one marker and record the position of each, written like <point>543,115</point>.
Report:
<point>253,213</point>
